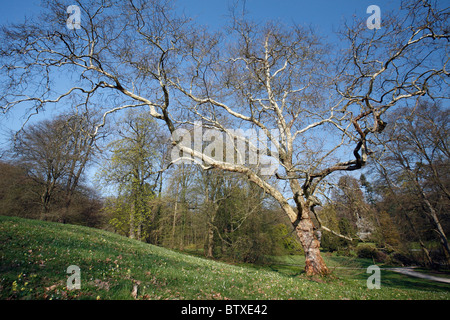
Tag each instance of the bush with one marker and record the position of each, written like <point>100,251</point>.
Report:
<point>330,242</point>
<point>366,251</point>
<point>345,251</point>
<point>401,258</point>
<point>283,240</point>
<point>380,256</point>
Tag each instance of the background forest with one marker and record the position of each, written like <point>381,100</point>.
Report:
<point>395,211</point>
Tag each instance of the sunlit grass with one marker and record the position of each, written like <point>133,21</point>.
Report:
<point>35,255</point>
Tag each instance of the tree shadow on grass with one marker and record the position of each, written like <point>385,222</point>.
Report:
<point>288,270</point>
<point>401,281</point>
<point>395,280</point>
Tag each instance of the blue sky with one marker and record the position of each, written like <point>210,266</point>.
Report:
<point>325,15</point>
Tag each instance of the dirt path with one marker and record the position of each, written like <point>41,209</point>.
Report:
<point>410,272</point>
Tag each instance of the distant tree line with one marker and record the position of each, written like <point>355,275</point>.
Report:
<point>20,195</point>
<point>212,212</point>
<point>404,207</point>
<point>397,213</point>
<point>215,213</point>
<point>42,176</point>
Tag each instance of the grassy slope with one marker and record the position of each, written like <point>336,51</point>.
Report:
<point>34,256</point>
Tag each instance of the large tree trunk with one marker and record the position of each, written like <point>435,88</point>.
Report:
<point>304,226</point>
<point>314,263</point>
<point>301,220</point>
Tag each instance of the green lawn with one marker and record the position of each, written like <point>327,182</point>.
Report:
<point>34,256</point>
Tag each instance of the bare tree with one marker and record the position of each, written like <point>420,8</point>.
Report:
<point>417,155</point>
<point>55,154</point>
<point>277,77</point>
<point>80,126</point>
<point>142,53</point>
<point>395,196</point>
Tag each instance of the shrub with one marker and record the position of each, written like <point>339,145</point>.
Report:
<point>283,240</point>
<point>401,258</point>
<point>330,242</point>
<point>345,251</point>
<point>380,256</point>
<point>366,251</point>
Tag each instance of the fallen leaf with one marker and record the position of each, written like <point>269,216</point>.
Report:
<point>51,287</point>
<point>134,291</point>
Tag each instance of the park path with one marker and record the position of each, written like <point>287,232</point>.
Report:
<point>410,272</point>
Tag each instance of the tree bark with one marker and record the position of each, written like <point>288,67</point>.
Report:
<point>45,200</point>
<point>314,263</point>
<point>432,215</point>
<point>428,259</point>
<point>132,220</point>
<point>304,226</point>
<point>174,217</point>
<point>210,248</point>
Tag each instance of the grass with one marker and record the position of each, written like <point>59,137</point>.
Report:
<point>440,274</point>
<point>34,256</point>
